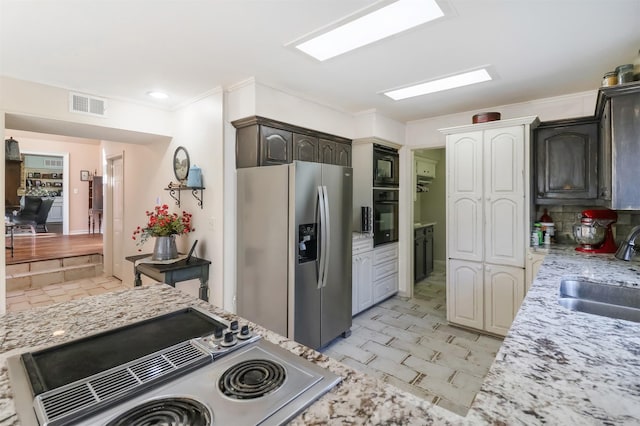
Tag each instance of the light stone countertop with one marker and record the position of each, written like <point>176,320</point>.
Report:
<point>418,225</point>
<point>555,366</point>
<point>562,367</point>
<point>358,399</point>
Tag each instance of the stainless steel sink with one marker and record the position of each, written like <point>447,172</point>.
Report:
<point>600,299</point>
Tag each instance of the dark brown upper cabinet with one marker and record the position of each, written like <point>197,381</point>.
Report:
<point>264,142</point>
<point>305,148</point>
<point>566,161</point>
<point>617,108</point>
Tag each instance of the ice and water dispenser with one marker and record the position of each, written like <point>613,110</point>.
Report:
<point>307,243</point>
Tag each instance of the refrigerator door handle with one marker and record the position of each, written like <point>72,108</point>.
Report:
<point>327,234</point>
<point>323,238</point>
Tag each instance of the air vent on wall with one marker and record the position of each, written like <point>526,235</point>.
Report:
<point>85,104</point>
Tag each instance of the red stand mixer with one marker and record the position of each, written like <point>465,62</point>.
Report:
<point>594,231</point>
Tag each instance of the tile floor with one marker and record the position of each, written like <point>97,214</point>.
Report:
<point>407,343</point>
<point>20,300</point>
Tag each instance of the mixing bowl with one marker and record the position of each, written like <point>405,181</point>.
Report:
<point>589,235</point>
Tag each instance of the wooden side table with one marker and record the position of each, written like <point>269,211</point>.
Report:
<point>8,226</point>
<point>172,273</point>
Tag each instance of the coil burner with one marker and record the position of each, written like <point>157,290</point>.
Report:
<point>252,379</point>
<point>165,411</point>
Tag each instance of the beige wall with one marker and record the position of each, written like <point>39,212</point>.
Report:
<point>84,154</point>
<point>432,204</point>
<point>3,266</point>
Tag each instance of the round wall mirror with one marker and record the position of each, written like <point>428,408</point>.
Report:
<point>181,163</point>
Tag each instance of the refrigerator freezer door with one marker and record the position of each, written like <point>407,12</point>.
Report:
<point>336,293</point>
<point>263,246</point>
<point>305,180</point>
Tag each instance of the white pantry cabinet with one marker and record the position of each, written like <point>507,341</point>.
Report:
<point>488,205</point>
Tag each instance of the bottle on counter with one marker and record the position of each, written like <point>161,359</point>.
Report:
<point>537,227</point>
<point>535,242</point>
<point>545,217</point>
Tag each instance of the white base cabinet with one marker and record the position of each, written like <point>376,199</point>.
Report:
<point>55,214</point>
<point>385,271</point>
<point>484,296</point>
<point>361,274</point>
<point>362,268</point>
<point>503,294</point>
<point>465,289</point>
<point>534,260</point>
<point>374,273</point>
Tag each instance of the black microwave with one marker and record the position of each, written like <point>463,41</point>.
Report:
<point>386,166</point>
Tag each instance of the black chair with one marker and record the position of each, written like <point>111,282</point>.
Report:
<point>34,219</point>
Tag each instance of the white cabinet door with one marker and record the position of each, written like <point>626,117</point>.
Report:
<point>55,214</point>
<point>464,191</point>
<point>534,260</point>
<point>503,294</point>
<point>365,281</point>
<point>362,288</point>
<point>465,304</point>
<point>425,167</point>
<point>355,277</point>
<point>504,196</point>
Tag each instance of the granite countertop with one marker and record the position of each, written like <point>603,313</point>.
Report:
<point>356,236</point>
<point>555,366</point>
<point>418,225</point>
<point>358,399</point>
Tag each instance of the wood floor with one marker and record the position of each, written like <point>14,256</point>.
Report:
<point>29,247</point>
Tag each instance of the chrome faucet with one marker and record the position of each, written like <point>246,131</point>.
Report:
<point>627,249</point>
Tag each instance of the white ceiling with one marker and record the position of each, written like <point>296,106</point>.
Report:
<point>123,49</point>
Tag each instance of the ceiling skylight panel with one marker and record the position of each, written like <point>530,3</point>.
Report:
<point>446,83</point>
<point>387,21</point>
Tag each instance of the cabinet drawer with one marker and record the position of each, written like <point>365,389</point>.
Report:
<point>362,245</point>
<point>385,269</point>
<point>385,288</point>
<point>385,253</point>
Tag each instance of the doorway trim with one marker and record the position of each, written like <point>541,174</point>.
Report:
<point>108,249</point>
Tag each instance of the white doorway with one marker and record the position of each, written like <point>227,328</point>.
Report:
<point>428,211</point>
<point>64,190</point>
<point>115,220</point>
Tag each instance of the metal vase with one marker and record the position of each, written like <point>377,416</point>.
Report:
<point>165,248</point>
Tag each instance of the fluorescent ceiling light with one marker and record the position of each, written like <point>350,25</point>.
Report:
<point>389,20</point>
<point>460,80</point>
<point>158,95</point>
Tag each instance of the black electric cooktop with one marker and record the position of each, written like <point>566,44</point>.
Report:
<point>63,364</point>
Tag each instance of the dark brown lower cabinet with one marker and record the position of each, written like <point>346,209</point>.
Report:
<point>423,252</point>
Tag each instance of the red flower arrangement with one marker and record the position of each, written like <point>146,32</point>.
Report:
<point>161,223</point>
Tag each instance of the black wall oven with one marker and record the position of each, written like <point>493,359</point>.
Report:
<point>385,216</point>
<point>385,167</point>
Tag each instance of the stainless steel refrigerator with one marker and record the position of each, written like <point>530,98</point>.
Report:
<point>294,249</point>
